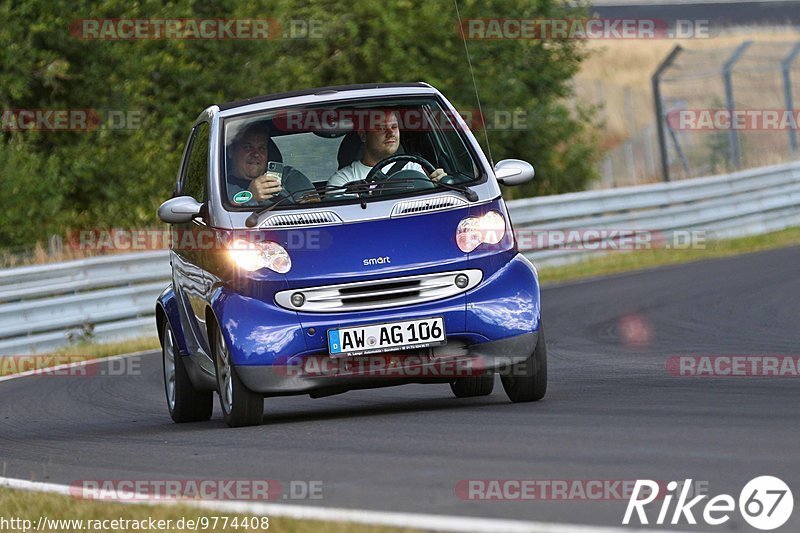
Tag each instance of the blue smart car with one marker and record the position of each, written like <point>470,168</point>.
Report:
<point>343,238</point>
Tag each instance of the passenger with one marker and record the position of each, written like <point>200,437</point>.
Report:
<point>247,170</point>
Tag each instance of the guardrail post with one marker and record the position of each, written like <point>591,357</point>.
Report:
<point>786,66</point>
<point>659,108</point>
<point>733,133</point>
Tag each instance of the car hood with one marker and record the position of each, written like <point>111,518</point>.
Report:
<point>373,249</point>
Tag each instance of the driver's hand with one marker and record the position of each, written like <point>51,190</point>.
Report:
<point>264,187</point>
<point>437,174</point>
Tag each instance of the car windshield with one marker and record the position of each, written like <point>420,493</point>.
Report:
<point>343,153</point>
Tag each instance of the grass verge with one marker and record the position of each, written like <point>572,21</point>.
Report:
<point>97,349</point>
<point>33,505</point>
<point>617,262</point>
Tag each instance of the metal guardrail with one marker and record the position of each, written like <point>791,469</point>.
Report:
<point>41,305</point>
<point>732,205</point>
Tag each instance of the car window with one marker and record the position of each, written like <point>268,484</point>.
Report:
<point>322,145</point>
<point>313,155</point>
<point>196,170</point>
<point>455,149</point>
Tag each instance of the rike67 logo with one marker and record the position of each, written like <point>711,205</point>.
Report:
<point>765,503</point>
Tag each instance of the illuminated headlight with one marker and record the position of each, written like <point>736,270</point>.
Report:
<point>474,231</point>
<point>254,256</point>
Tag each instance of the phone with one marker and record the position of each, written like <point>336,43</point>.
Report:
<point>275,170</point>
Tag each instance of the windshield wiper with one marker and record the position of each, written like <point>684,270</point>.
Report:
<point>354,187</point>
<point>365,189</point>
<point>468,193</point>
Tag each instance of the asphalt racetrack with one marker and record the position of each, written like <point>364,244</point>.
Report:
<point>613,411</point>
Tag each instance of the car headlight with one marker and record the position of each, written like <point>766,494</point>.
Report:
<point>252,256</point>
<point>474,231</point>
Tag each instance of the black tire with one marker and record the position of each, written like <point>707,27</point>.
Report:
<point>186,404</point>
<point>468,387</point>
<point>240,406</point>
<point>527,381</point>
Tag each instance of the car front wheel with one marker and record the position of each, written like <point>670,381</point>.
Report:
<point>185,403</point>
<point>240,406</point>
<point>527,381</point>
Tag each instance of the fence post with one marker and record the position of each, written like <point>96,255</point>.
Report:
<point>786,66</point>
<point>55,245</point>
<point>608,172</point>
<point>600,99</point>
<point>632,134</point>
<point>733,133</point>
<point>648,152</point>
<point>659,108</point>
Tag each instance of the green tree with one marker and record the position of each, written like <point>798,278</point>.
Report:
<point>54,180</point>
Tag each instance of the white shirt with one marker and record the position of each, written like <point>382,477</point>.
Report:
<point>357,170</point>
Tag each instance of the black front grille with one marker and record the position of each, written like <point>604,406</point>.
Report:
<point>379,288</point>
<point>382,297</point>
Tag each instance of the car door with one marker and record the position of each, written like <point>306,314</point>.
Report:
<point>192,284</point>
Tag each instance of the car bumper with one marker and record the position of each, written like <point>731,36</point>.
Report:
<point>321,375</point>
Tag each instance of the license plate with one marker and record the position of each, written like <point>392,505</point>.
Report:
<point>377,338</point>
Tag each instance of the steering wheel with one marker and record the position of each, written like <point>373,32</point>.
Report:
<point>376,170</point>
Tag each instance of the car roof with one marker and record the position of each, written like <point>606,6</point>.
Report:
<point>319,91</point>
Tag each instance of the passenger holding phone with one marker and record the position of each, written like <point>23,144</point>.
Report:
<point>251,171</point>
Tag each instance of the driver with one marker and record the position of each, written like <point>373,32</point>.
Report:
<point>381,140</point>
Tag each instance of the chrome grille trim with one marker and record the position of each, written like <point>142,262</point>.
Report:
<point>438,203</point>
<point>379,294</point>
<point>312,218</point>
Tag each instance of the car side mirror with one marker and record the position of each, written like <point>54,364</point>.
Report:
<point>179,210</point>
<point>513,172</point>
